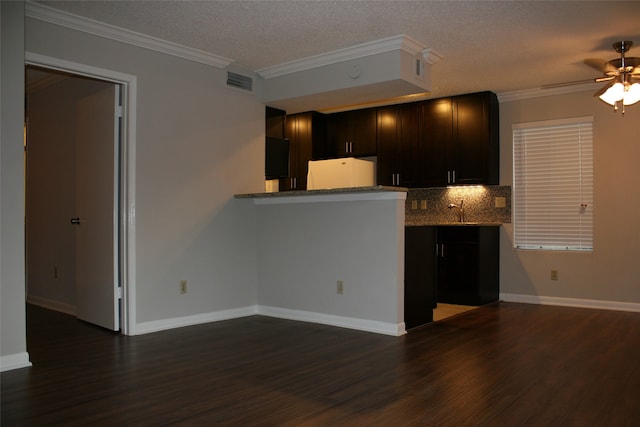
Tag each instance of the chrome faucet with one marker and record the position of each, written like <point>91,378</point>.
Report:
<point>460,210</point>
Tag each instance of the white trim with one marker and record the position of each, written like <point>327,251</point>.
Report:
<point>14,361</point>
<point>196,319</point>
<point>400,42</point>
<point>128,171</point>
<point>335,197</point>
<point>519,95</point>
<point>101,29</point>
<point>281,313</point>
<point>572,302</point>
<point>395,329</point>
<point>431,56</point>
<point>52,305</point>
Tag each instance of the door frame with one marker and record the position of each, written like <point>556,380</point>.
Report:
<point>127,213</point>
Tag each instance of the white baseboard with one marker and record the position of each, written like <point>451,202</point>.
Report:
<point>571,302</point>
<point>52,305</point>
<point>197,319</point>
<point>14,361</point>
<point>332,320</point>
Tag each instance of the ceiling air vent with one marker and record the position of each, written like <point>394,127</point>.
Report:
<point>239,81</point>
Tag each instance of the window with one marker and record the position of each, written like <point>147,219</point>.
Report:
<point>553,184</point>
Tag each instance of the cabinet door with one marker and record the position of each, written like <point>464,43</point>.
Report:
<point>353,133</point>
<point>388,151</point>
<point>419,275</point>
<point>274,122</point>
<point>474,148</point>
<point>409,166</point>
<point>468,264</point>
<point>306,134</point>
<point>458,265</point>
<point>291,133</point>
<point>436,134</point>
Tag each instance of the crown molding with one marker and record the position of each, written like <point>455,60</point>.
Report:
<point>547,91</point>
<point>400,42</point>
<point>431,56</point>
<point>101,29</point>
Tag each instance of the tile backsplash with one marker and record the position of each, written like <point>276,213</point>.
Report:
<point>482,204</point>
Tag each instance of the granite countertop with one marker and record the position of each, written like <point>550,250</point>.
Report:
<point>373,189</point>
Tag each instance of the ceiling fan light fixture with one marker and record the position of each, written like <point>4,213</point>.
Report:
<point>632,94</point>
<point>620,72</point>
<point>613,94</point>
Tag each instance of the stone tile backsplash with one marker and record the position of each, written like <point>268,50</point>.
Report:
<point>429,205</point>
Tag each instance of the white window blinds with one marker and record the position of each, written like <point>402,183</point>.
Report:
<point>553,184</point>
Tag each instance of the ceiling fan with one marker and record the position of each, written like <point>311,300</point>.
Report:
<point>624,75</point>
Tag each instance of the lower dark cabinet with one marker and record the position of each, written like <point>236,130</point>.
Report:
<point>449,264</point>
<point>468,259</point>
<point>419,275</point>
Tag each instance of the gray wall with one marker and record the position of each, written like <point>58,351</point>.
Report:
<point>305,248</point>
<point>197,144</point>
<point>611,271</point>
<point>13,345</point>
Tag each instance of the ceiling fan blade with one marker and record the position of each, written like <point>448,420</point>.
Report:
<point>600,65</point>
<point>632,62</point>
<point>604,79</point>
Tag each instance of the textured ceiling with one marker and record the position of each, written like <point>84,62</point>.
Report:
<point>500,46</point>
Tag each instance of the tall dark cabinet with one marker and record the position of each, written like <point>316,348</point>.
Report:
<point>306,134</point>
<point>398,145</point>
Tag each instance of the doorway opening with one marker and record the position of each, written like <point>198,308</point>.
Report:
<point>78,138</point>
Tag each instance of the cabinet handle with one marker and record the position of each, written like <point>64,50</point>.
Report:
<point>348,147</point>
<point>441,250</point>
<point>448,177</point>
<point>454,176</point>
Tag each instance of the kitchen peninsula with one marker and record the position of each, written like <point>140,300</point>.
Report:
<point>313,244</point>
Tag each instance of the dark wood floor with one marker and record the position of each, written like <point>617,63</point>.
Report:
<point>503,364</point>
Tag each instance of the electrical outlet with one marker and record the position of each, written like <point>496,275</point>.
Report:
<point>423,204</point>
<point>340,287</point>
<point>183,286</point>
<point>554,274</point>
<point>500,202</point>
<point>414,204</point>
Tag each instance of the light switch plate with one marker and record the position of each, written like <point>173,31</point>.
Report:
<point>500,202</point>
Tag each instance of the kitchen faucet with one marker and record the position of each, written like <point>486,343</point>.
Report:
<point>460,210</point>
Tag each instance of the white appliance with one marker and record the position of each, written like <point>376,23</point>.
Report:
<point>340,173</point>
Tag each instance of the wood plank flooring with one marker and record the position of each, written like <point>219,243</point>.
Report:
<point>499,365</point>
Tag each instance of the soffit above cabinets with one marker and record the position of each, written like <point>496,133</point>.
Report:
<point>374,72</point>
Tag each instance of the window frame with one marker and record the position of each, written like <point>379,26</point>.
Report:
<point>553,205</point>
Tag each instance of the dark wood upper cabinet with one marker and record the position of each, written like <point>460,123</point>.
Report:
<point>398,145</point>
<point>474,151</point>
<point>436,136</point>
<point>352,133</point>
<point>274,122</point>
<point>306,134</point>
<point>433,143</point>
<point>459,141</point>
